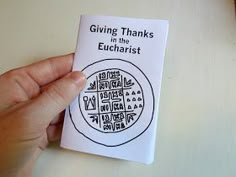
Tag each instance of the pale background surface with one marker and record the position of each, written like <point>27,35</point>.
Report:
<point>197,122</point>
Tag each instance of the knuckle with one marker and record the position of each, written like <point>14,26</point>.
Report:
<point>54,93</point>
<point>58,95</point>
<point>13,74</point>
<point>52,68</point>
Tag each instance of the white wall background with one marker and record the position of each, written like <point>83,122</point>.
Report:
<point>197,121</point>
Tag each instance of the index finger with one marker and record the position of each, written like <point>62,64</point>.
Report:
<point>50,69</point>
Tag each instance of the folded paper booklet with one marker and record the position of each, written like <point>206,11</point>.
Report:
<point>116,113</point>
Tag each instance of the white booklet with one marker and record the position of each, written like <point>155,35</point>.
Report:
<point>116,114</point>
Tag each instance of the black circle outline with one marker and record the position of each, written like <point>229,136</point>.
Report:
<point>152,110</point>
<point>139,114</point>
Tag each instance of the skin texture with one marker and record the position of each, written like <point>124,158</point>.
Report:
<point>33,99</point>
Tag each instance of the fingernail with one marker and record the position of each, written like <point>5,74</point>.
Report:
<point>79,78</point>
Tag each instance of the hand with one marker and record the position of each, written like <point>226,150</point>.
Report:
<point>32,100</point>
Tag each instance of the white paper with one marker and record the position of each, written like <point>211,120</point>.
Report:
<point>116,114</point>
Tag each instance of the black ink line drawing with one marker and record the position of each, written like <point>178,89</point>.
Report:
<point>90,103</point>
<point>113,101</point>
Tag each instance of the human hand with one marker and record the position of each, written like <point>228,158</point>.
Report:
<point>32,100</point>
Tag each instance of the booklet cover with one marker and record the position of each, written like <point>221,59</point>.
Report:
<point>116,114</point>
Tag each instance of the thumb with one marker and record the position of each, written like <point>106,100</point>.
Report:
<point>57,97</point>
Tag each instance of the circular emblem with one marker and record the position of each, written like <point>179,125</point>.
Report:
<point>116,105</point>
<point>112,100</point>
